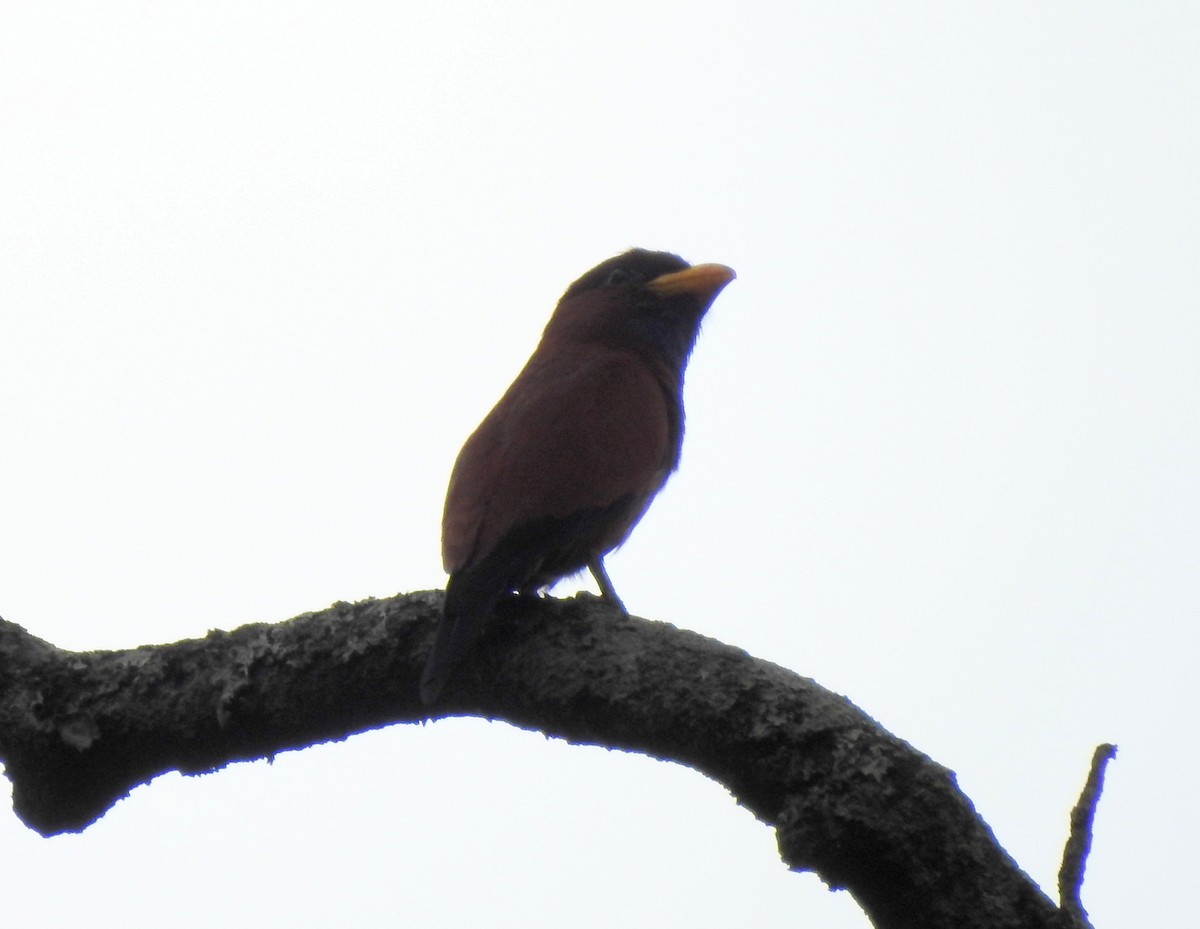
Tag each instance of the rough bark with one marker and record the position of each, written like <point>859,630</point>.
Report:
<point>848,800</point>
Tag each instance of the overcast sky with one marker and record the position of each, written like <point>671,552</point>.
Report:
<point>264,266</point>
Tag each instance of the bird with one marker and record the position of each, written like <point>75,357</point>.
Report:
<point>567,462</point>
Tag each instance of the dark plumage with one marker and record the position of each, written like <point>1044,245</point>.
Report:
<point>567,462</point>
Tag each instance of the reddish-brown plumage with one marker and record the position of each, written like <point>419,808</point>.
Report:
<point>567,462</point>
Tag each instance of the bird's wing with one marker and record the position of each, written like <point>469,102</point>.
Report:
<point>578,428</point>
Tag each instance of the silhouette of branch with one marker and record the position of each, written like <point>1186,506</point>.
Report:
<point>848,800</point>
<point>1079,842</point>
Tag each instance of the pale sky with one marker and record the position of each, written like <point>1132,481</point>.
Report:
<point>264,266</point>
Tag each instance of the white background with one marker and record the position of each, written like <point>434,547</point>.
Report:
<point>263,266</point>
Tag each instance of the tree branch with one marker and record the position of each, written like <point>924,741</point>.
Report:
<point>848,800</point>
<point>1079,841</point>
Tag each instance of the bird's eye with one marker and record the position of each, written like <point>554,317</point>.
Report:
<point>618,277</point>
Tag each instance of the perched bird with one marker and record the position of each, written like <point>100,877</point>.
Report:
<point>564,466</point>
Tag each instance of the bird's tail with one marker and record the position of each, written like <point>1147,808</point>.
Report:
<point>468,605</point>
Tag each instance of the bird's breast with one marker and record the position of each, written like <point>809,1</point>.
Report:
<point>581,429</point>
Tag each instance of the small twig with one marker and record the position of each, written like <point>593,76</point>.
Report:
<point>1079,842</point>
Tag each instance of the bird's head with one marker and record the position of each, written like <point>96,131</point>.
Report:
<point>648,302</point>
